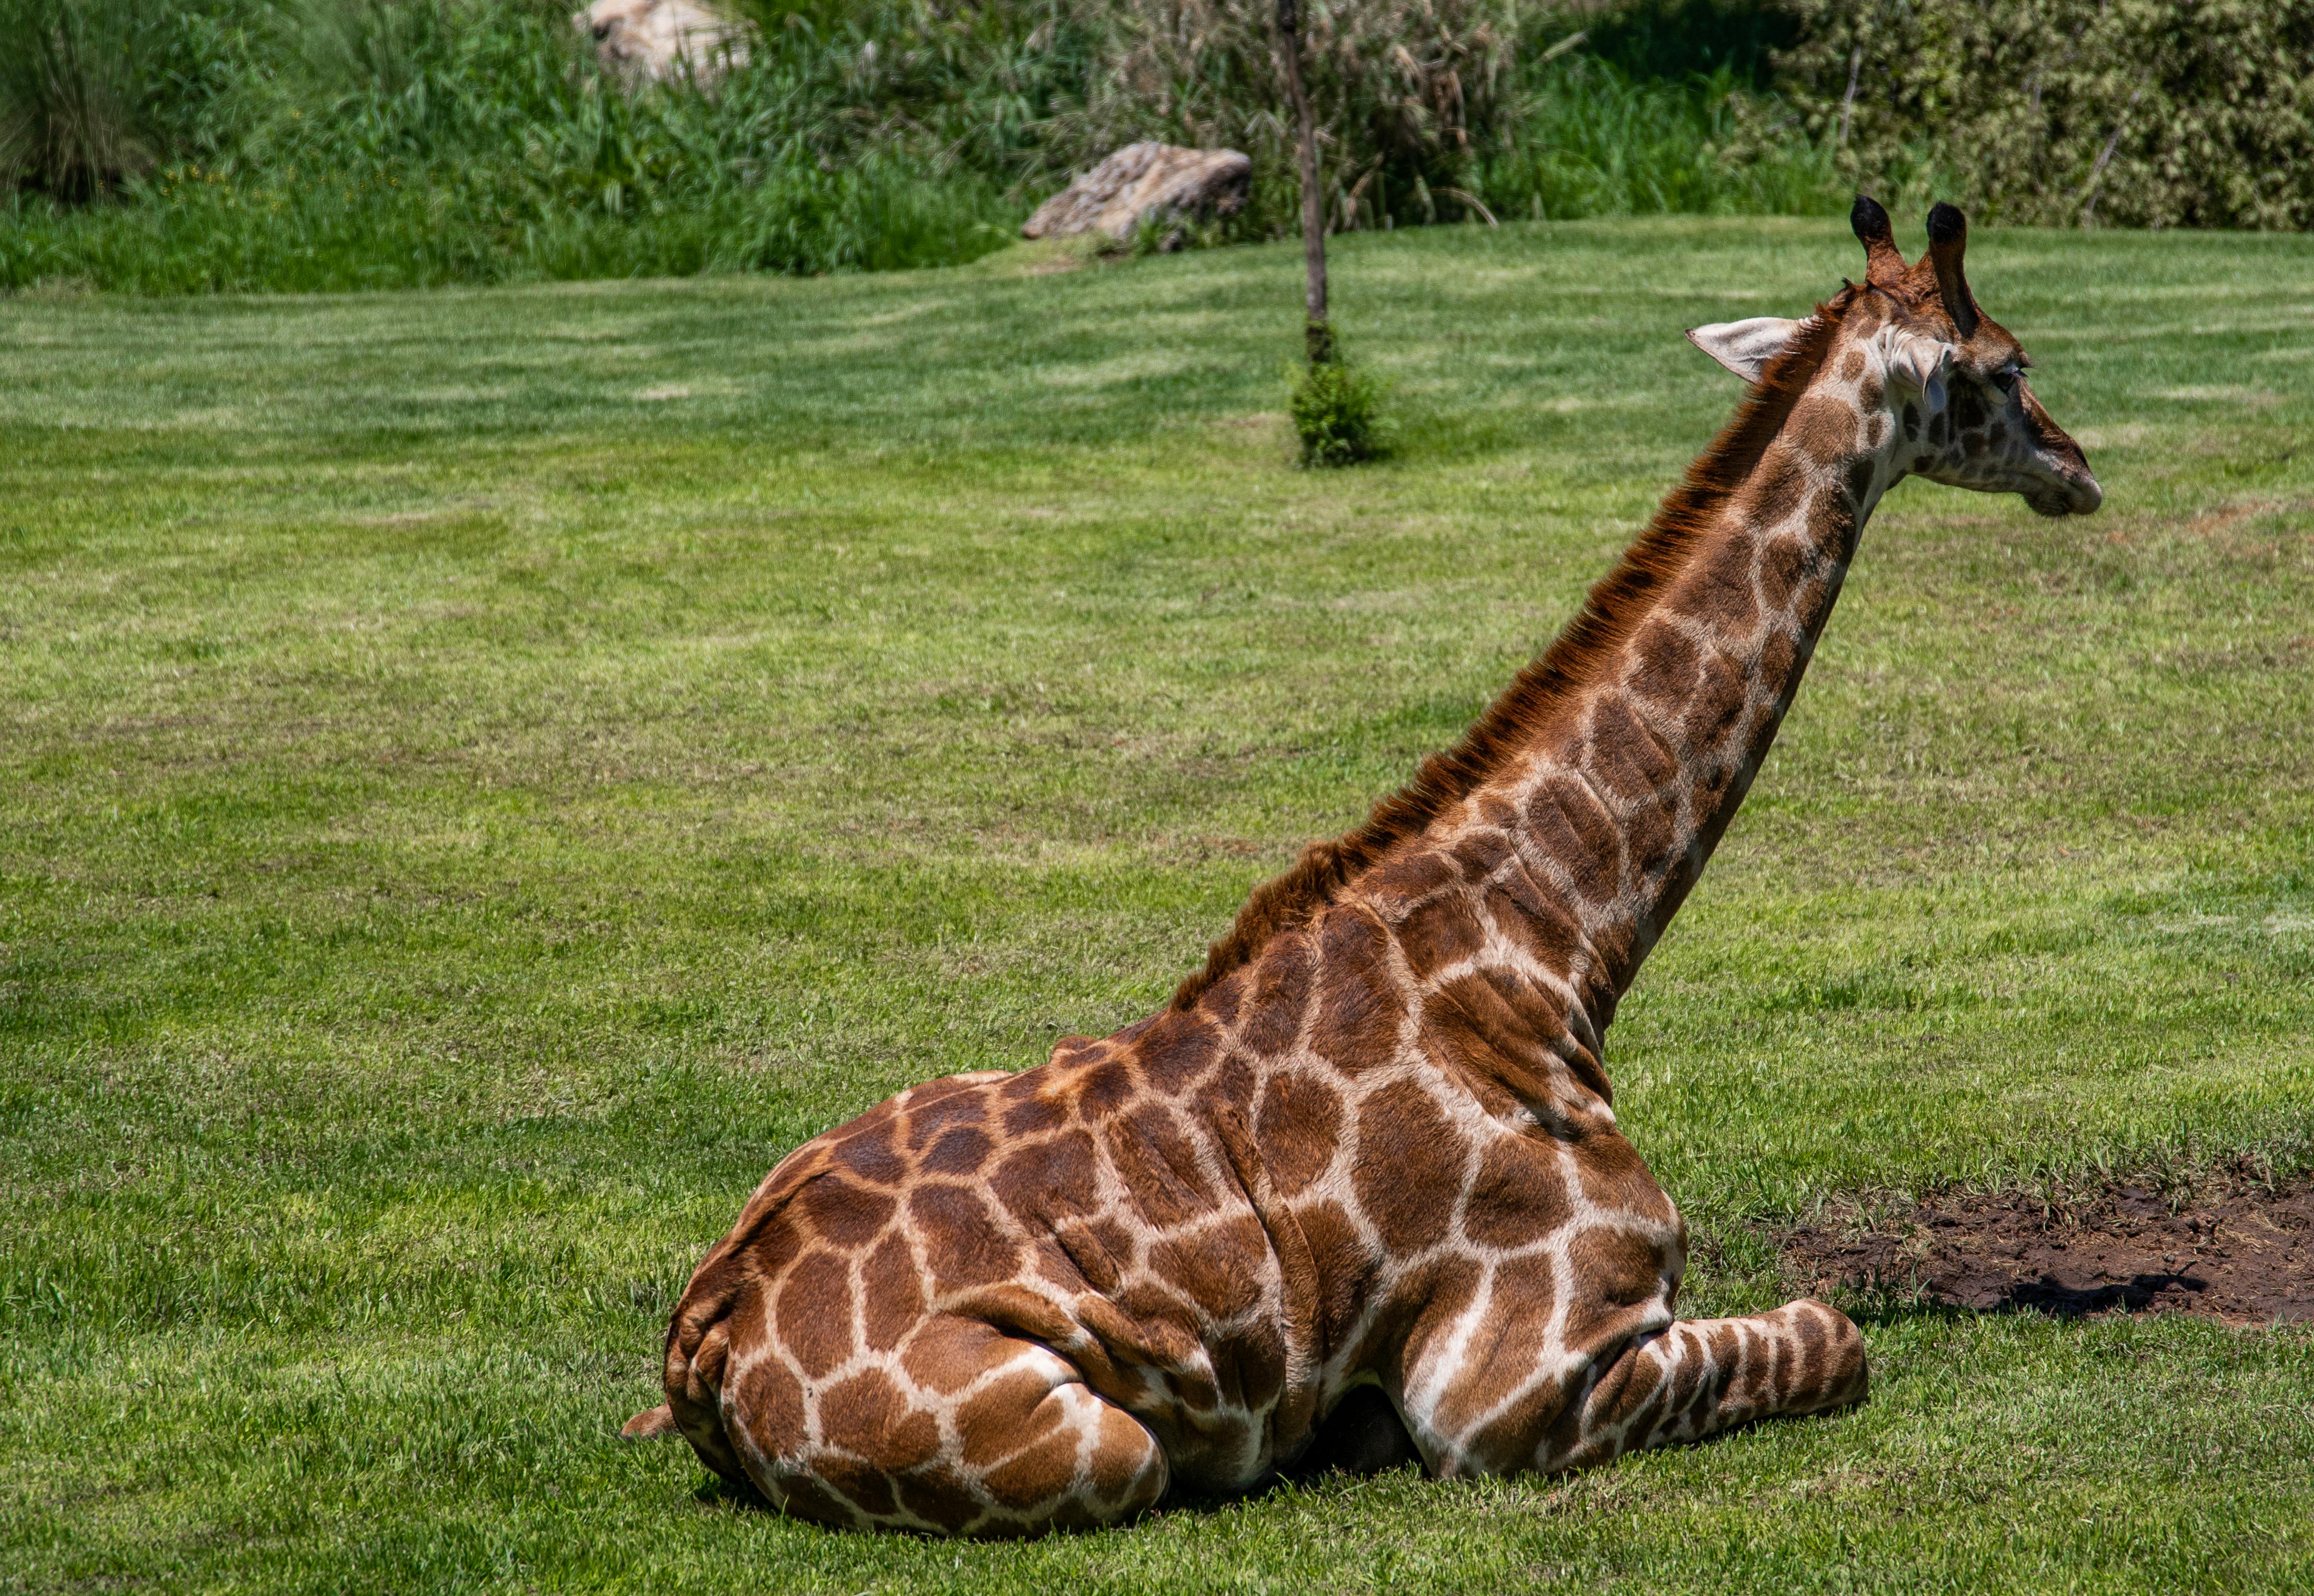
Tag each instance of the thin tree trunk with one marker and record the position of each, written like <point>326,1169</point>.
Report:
<point>1321,337</point>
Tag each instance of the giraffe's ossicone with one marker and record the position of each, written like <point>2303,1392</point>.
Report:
<point>1360,1186</point>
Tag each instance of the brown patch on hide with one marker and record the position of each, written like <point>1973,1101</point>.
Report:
<point>815,1312</point>
<point>1825,428</point>
<point>1300,1121</point>
<point>1404,1141</point>
<point>1048,1178</point>
<point>894,1298</point>
<point>963,1243</point>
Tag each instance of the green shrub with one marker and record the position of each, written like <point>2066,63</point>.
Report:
<point>1403,91</point>
<point>1337,411</point>
<point>2143,113</point>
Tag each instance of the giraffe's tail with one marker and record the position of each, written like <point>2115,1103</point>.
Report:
<point>698,1353</point>
<point>731,1277</point>
<point>651,1424</point>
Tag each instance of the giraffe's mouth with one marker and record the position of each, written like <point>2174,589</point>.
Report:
<point>2068,495</point>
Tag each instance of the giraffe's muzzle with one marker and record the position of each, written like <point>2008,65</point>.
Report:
<point>2068,495</point>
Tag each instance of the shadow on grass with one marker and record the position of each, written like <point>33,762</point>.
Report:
<point>2045,1296</point>
<point>1363,1437</point>
<point>1362,1440</point>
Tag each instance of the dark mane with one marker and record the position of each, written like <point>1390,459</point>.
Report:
<point>1549,683</point>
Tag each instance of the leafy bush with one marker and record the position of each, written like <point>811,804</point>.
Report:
<point>2148,113</point>
<point>1460,110</point>
<point>1337,411</point>
<point>1403,91</point>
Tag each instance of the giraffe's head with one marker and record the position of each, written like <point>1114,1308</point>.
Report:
<point>1914,344</point>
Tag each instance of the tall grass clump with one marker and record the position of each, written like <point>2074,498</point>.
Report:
<point>73,117</point>
<point>1586,138</point>
<point>1440,110</point>
<point>93,93</point>
<point>406,142</point>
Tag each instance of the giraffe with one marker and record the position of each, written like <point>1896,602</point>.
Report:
<point>1357,1194</point>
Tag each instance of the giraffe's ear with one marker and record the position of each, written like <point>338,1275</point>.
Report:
<point>1915,362</point>
<point>1745,348</point>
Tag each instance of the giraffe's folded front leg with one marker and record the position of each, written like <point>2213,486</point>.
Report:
<point>1699,1376</point>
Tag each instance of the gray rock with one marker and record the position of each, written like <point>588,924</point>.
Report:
<point>653,41</point>
<point>1160,181</point>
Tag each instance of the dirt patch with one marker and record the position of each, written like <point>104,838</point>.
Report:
<point>2245,1255</point>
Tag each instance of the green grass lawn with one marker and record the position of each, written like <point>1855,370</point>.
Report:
<point>482,774</point>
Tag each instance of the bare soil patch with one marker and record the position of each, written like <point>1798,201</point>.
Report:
<point>2245,1255</point>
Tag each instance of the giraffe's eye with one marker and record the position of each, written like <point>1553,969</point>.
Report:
<point>2005,379</point>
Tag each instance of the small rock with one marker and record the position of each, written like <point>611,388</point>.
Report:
<point>1157,181</point>
<point>653,41</point>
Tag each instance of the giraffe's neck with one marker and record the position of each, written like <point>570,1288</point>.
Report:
<point>1619,801</point>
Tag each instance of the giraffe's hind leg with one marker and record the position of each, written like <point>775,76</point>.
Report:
<point>1696,1376</point>
<point>963,1431</point>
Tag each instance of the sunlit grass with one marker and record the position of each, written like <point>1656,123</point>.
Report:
<point>486,772</point>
